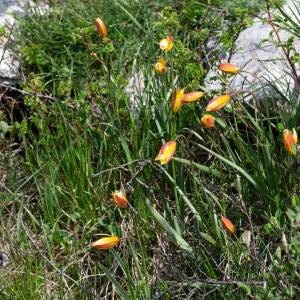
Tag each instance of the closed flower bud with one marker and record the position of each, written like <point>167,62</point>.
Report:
<point>208,121</point>
<point>120,197</point>
<point>217,103</point>
<point>228,68</point>
<point>290,139</point>
<point>160,66</point>
<point>191,97</point>
<point>176,100</point>
<point>227,224</point>
<point>166,152</point>
<point>106,242</point>
<point>166,44</point>
<point>101,27</point>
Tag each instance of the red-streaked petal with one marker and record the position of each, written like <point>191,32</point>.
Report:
<point>166,152</point>
<point>228,68</point>
<point>101,27</point>
<point>106,242</point>
<point>191,97</point>
<point>227,224</point>
<point>176,99</point>
<point>218,103</point>
<point>208,121</point>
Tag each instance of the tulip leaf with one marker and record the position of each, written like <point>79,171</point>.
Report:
<point>167,227</point>
<point>235,166</point>
<point>208,238</point>
<point>137,23</point>
<point>202,168</point>
<point>118,286</point>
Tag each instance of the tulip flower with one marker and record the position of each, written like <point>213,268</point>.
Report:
<point>290,139</point>
<point>160,66</point>
<point>191,97</point>
<point>101,27</point>
<point>176,100</point>
<point>166,152</point>
<point>228,68</point>
<point>107,242</point>
<point>208,121</point>
<point>217,103</point>
<point>227,224</point>
<point>120,197</point>
<point>166,44</point>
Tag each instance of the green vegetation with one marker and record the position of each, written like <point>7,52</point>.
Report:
<point>75,136</point>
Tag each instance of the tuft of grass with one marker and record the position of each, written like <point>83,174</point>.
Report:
<point>87,137</point>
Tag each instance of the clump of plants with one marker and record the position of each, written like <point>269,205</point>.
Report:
<point>177,192</point>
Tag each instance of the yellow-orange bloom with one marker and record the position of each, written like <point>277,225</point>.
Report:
<point>101,27</point>
<point>191,97</point>
<point>166,44</point>
<point>227,224</point>
<point>120,197</point>
<point>217,103</point>
<point>166,152</point>
<point>105,243</point>
<point>160,66</point>
<point>208,121</point>
<point>228,68</point>
<point>176,99</point>
<point>290,139</point>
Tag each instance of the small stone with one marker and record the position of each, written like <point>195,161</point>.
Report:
<point>4,259</point>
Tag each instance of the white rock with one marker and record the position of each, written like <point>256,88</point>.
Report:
<point>267,63</point>
<point>9,59</point>
<point>135,89</point>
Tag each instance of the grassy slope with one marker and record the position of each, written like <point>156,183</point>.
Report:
<point>82,145</point>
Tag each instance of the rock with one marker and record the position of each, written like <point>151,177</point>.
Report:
<point>4,259</point>
<point>135,89</point>
<point>268,64</point>
<point>9,61</point>
<point>9,58</point>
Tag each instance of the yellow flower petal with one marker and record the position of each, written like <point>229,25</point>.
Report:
<point>228,68</point>
<point>218,103</point>
<point>120,197</point>
<point>166,152</point>
<point>166,44</point>
<point>160,66</point>
<point>227,224</point>
<point>290,139</point>
<point>101,27</point>
<point>176,99</point>
<point>106,242</point>
<point>191,97</point>
<point>208,121</point>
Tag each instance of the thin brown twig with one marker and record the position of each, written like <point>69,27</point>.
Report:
<point>219,282</point>
<point>25,93</point>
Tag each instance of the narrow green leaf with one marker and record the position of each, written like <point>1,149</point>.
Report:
<point>119,288</point>
<point>202,168</point>
<point>166,226</point>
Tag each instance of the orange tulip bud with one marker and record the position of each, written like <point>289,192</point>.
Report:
<point>191,97</point>
<point>228,68</point>
<point>176,100</point>
<point>166,152</point>
<point>217,103</point>
<point>208,121</point>
<point>166,44</point>
<point>160,66</point>
<point>101,27</point>
<point>120,197</point>
<point>290,139</point>
<point>227,224</point>
<point>106,242</point>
